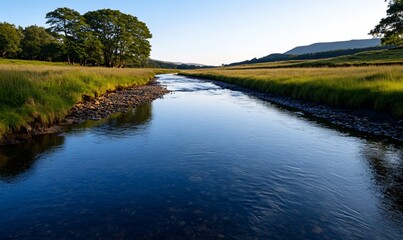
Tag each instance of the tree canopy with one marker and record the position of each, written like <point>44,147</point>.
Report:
<point>105,36</point>
<point>390,28</point>
<point>37,44</point>
<point>68,23</point>
<point>10,39</point>
<point>123,37</point>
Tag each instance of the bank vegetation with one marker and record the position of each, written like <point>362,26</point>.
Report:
<point>40,95</point>
<point>374,87</point>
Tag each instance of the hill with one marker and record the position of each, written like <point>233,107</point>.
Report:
<point>392,56</point>
<point>174,65</point>
<point>331,46</point>
<point>308,56</point>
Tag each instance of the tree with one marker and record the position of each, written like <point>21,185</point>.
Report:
<point>52,51</point>
<point>391,27</point>
<point>135,37</point>
<point>37,43</point>
<point>10,38</point>
<point>89,49</point>
<point>69,23</point>
<point>124,38</point>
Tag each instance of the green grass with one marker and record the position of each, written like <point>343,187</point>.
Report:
<point>375,87</point>
<point>30,62</point>
<point>36,94</point>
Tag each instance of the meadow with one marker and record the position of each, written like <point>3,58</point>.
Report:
<point>42,94</point>
<point>374,87</point>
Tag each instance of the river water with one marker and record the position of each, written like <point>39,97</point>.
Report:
<point>202,163</point>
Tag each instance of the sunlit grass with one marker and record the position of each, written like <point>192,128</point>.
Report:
<point>31,62</point>
<point>376,87</point>
<point>44,94</point>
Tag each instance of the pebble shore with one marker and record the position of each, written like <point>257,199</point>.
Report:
<point>115,102</point>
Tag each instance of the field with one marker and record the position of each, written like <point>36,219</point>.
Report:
<point>4,61</point>
<point>374,87</point>
<point>43,93</point>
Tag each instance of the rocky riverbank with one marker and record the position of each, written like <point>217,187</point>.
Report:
<point>364,121</point>
<point>114,102</point>
<point>93,109</point>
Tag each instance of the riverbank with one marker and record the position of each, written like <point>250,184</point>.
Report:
<point>118,101</point>
<point>35,99</point>
<point>378,88</point>
<point>363,120</point>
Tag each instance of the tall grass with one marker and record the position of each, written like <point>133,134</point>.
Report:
<point>379,88</point>
<point>44,94</point>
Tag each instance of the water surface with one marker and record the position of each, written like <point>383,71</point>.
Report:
<point>202,163</point>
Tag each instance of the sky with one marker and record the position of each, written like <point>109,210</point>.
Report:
<point>215,32</point>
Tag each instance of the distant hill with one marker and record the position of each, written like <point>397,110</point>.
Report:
<point>332,46</point>
<point>389,56</point>
<point>308,56</point>
<point>174,65</point>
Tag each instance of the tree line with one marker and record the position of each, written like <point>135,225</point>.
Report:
<point>103,37</point>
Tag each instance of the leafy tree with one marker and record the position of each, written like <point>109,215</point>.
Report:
<point>69,23</point>
<point>52,51</point>
<point>89,49</point>
<point>124,38</point>
<point>10,38</point>
<point>391,27</point>
<point>37,43</point>
<point>135,37</point>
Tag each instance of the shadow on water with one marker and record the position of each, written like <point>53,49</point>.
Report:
<point>17,160</point>
<point>386,164</point>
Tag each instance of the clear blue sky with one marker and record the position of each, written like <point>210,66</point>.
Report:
<point>223,31</point>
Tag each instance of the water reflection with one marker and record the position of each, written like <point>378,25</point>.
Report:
<point>16,160</point>
<point>386,165</point>
<point>120,122</point>
<point>19,159</point>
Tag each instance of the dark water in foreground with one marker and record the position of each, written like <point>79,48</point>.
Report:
<point>202,163</point>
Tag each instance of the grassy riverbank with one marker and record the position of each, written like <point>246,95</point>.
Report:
<point>42,95</point>
<point>375,87</point>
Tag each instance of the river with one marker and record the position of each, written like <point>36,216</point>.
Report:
<point>202,163</point>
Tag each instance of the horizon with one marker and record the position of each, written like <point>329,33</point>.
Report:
<point>240,30</point>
